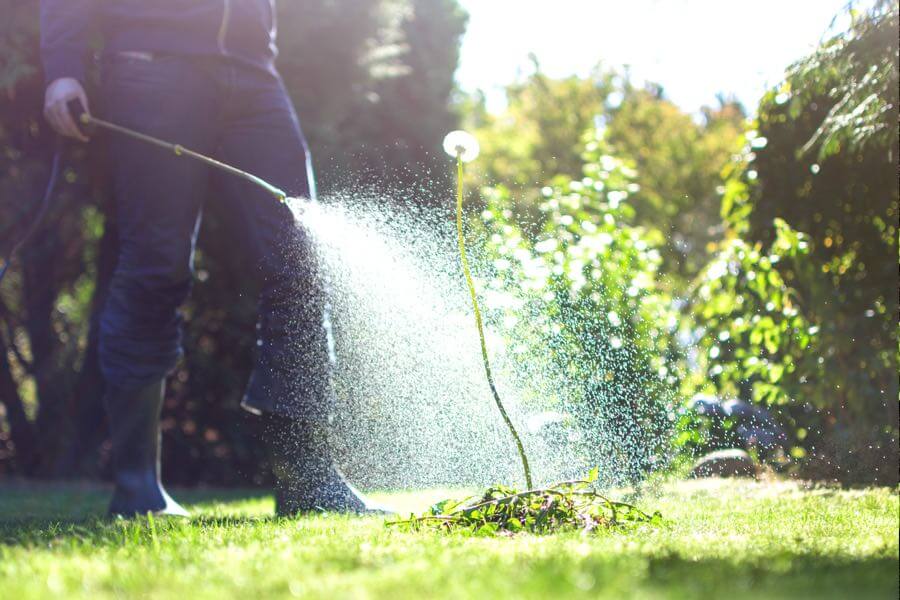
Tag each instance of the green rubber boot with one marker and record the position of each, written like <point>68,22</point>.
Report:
<point>307,479</point>
<point>134,431</point>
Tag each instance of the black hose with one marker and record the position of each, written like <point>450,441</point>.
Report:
<point>42,211</point>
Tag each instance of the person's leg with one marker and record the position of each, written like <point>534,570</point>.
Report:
<point>291,381</point>
<point>261,135</point>
<point>158,199</point>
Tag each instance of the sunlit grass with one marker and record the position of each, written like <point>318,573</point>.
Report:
<point>722,539</point>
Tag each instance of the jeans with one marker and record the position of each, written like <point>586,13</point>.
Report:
<point>241,115</point>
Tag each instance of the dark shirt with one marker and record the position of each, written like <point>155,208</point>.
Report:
<point>243,30</point>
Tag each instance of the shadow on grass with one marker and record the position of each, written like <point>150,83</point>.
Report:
<point>34,513</point>
<point>674,575</point>
<point>105,531</point>
<point>779,576</point>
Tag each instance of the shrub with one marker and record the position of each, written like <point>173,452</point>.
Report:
<point>799,306</point>
<point>583,300</point>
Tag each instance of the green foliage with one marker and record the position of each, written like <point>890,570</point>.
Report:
<point>754,326</point>
<point>801,309</point>
<point>860,83</point>
<point>539,134</point>
<point>586,293</point>
<point>42,301</point>
<point>570,505</point>
<point>16,43</point>
<point>678,160</point>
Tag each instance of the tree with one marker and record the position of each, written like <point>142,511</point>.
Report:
<point>335,54</point>
<point>804,290</point>
<point>538,135</point>
<point>678,160</point>
<point>380,105</point>
<point>45,301</point>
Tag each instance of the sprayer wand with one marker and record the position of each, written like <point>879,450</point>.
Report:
<point>90,121</point>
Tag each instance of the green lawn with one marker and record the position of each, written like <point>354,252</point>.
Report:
<point>722,539</point>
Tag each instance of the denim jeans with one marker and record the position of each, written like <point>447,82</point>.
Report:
<point>243,116</point>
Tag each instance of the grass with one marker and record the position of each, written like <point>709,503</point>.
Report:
<point>722,539</point>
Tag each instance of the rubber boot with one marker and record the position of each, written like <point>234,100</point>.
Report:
<point>134,432</point>
<point>307,479</point>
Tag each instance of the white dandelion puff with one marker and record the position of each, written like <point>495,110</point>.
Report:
<point>461,144</point>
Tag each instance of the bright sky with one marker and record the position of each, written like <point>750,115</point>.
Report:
<point>694,48</point>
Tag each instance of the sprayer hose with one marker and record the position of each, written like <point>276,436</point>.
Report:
<point>461,241</point>
<point>42,210</point>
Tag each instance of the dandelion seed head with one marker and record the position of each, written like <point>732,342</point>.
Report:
<point>461,144</point>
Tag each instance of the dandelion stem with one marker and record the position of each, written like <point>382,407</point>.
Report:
<point>478,322</point>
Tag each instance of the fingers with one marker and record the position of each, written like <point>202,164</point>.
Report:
<point>61,120</point>
<point>58,115</point>
<point>68,123</point>
<point>53,114</point>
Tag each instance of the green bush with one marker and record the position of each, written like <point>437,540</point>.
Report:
<point>583,299</point>
<point>799,306</point>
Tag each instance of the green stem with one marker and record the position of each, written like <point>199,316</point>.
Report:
<point>478,323</point>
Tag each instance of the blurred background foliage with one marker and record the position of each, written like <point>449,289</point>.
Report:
<point>678,158</point>
<point>776,236</point>
<point>804,287</point>
<point>372,80</point>
<point>744,252</point>
<point>582,299</point>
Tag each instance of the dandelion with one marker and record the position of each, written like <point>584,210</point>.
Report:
<point>461,144</point>
<point>464,148</point>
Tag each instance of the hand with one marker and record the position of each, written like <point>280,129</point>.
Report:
<point>56,110</point>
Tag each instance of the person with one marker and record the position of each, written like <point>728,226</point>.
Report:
<point>200,73</point>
